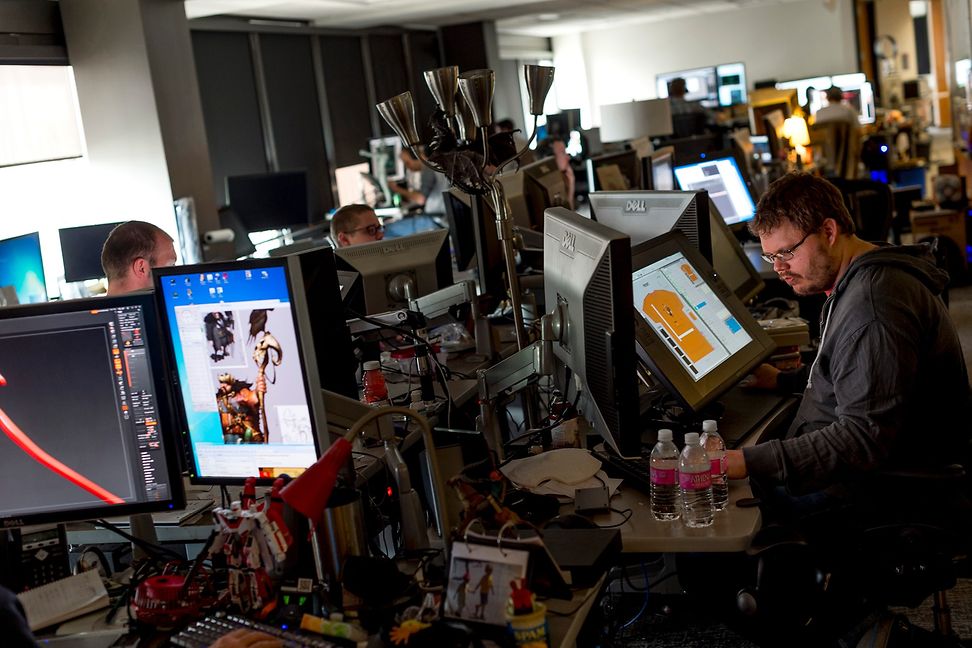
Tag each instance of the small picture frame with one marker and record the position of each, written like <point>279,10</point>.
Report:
<point>479,581</point>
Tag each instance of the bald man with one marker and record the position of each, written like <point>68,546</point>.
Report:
<point>130,253</point>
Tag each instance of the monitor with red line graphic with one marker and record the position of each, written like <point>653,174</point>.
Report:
<point>85,425</point>
<point>694,334</point>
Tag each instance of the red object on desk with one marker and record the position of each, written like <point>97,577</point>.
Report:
<point>309,493</point>
<point>160,601</point>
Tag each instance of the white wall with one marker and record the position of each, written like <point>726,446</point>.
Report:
<point>787,41</point>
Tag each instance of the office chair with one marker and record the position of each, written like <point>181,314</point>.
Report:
<point>892,552</point>
<point>836,149</point>
<point>871,205</point>
<point>689,124</point>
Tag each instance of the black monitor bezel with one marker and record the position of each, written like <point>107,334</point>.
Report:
<point>69,274</point>
<point>664,366</point>
<point>598,160</point>
<point>305,350</point>
<point>164,402</point>
<point>258,224</point>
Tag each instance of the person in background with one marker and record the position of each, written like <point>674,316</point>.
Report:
<point>519,141</point>
<point>889,367</point>
<point>836,110</point>
<point>677,90</point>
<point>429,193</point>
<point>354,225</point>
<point>131,251</point>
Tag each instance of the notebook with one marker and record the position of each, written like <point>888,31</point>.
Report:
<point>65,599</point>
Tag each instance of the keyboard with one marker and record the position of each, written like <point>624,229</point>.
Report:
<point>635,471</point>
<point>206,631</point>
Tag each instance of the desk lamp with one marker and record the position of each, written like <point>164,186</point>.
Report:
<point>795,130</point>
<point>453,151</point>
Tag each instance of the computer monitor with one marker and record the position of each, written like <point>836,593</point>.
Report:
<point>720,176</point>
<point>472,226</point>
<point>85,413</point>
<point>644,215</point>
<point>731,82</point>
<point>658,170</point>
<point>386,158</point>
<point>22,268</point>
<point>81,250</point>
<point>619,171</point>
<point>269,201</point>
<point>701,85</point>
<point>395,270</point>
<point>730,261</point>
<point>586,266</point>
<point>694,335</point>
<point>803,85</point>
<point>242,245</point>
<point>240,340</point>
<point>324,290</point>
<point>544,186</point>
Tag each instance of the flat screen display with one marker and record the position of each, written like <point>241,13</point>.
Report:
<point>22,268</point>
<point>725,184</point>
<point>237,351</point>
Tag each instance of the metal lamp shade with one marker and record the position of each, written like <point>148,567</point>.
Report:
<point>539,78</point>
<point>443,83</point>
<point>399,112</point>
<point>465,123</point>
<point>477,87</point>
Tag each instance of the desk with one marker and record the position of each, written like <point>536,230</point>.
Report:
<point>731,531</point>
<point>564,629</point>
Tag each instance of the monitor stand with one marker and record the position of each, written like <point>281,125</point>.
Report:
<point>142,526</point>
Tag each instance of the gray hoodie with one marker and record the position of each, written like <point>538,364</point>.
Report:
<point>888,388</point>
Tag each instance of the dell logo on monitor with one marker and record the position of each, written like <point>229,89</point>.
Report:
<point>569,241</point>
<point>635,206</point>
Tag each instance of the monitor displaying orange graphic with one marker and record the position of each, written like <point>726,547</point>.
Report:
<point>665,308</point>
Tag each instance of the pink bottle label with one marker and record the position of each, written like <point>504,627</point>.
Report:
<point>663,476</point>
<point>695,481</point>
<point>719,465</point>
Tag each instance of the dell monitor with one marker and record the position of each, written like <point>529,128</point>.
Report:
<point>241,344</point>
<point>394,271</point>
<point>81,250</point>
<point>269,201</point>
<point>22,270</point>
<point>86,429</point>
<point>694,335</point>
<point>614,172</point>
<point>720,176</point>
<point>658,170</point>
<point>544,186</point>
<point>731,83</point>
<point>586,270</point>
<point>644,215</point>
<point>472,226</point>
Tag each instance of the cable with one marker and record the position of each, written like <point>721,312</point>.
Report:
<point>644,605</point>
<point>627,513</point>
<point>149,547</point>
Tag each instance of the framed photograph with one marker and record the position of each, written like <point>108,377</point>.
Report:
<point>479,581</point>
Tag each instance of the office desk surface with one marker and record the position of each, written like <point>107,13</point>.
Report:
<point>732,530</point>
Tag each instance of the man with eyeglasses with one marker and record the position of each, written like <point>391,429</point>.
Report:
<point>354,225</point>
<point>889,369</point>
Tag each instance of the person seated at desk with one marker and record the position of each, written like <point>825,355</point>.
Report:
<point>429,193</point>
<point>129,254</point>
<point>354,225</point>
<point>889,385</point>
<point>836,110</point>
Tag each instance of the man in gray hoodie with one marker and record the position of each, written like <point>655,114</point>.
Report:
<point>889,387</point>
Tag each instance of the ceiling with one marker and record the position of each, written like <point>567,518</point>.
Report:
<point>527,17</point>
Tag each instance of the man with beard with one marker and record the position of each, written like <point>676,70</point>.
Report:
<point>888,388</point>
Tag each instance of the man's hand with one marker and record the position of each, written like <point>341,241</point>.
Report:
<point>247,639</point>
<point>736,464</point>
<point>763,377</point>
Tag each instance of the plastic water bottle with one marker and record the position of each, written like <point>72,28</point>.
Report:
<point>695,483</point>
<point>715,447</point>
<point>664,477</point>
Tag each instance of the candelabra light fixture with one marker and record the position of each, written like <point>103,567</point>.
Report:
<point>462,150</point>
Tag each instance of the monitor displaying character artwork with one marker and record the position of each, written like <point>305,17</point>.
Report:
<point>249,393</point>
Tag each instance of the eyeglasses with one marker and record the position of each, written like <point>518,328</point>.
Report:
<point>371,229</point>
<point>784,255</point>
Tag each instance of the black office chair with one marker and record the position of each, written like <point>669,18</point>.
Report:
<point>871,205</point>
<point>689,124</point>
<point>894,552</point>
